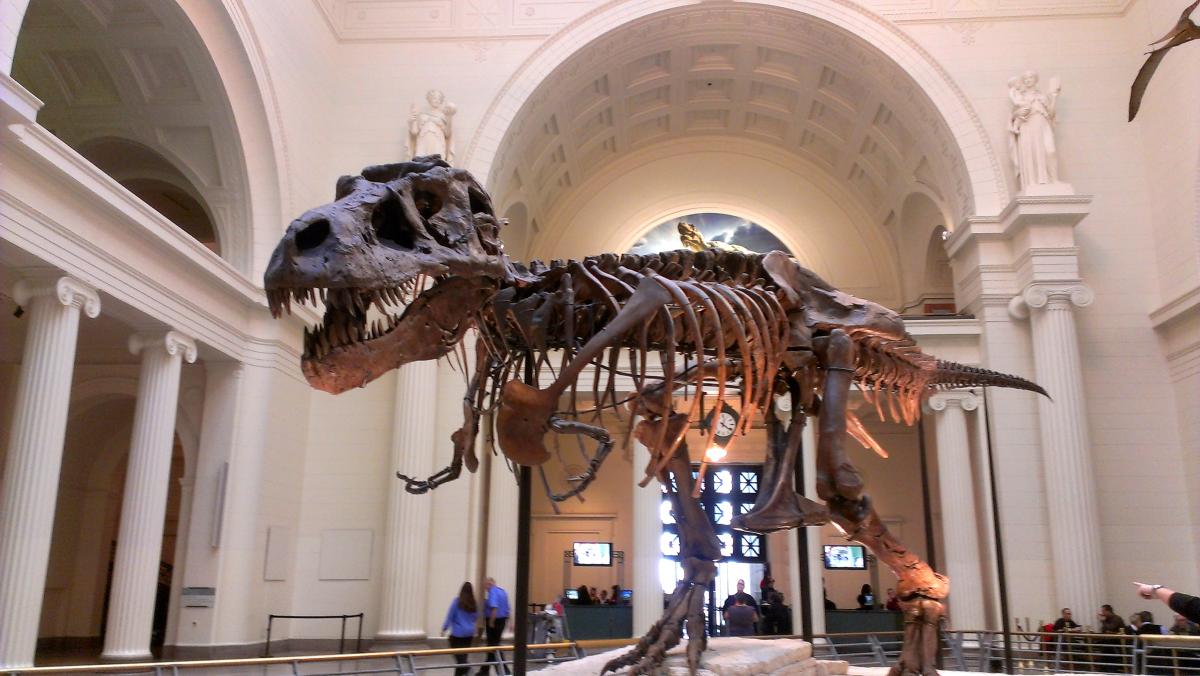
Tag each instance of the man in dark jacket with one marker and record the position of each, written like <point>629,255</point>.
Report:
<point>1184,604</point>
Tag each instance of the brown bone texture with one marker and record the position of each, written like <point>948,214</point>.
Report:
<point>408,260</point>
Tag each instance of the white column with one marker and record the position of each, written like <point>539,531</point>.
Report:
<point>816,570</point>
<point>402,612</point>
<point>144,506</point>
<point>35,448</point>
<point>1066,453</point>
<point>647,531</point>
<point>960,528</point>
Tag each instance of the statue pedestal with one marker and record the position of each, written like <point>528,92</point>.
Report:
<point>726,656</point>
<point>1047,190</point>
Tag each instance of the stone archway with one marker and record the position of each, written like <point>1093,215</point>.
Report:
<point>203,97</point>
<point>977,181</point>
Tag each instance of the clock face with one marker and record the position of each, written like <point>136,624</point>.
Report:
<point>726,424</point>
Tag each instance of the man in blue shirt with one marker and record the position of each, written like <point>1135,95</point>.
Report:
<point>495,615</point>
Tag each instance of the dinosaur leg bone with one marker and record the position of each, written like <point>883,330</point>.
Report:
<point>920,589</point>
<point>525,410</point>
<point>783,508</point>
<point>698,548</point>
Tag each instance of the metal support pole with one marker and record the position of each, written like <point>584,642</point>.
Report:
<point>926,507</point>
<point>267,647</point>
<point>521,627</point>
<point>524,517</point>
<point>1001,577</point>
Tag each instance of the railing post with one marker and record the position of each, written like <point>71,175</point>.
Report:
<point>358,640</point>
<point>877,647</point>
<point>342,637</point>
<point>267,647</point>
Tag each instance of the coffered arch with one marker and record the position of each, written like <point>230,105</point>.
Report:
<point>823,78</point>
<point>141,71</point>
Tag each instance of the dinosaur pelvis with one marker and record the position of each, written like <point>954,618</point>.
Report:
<point>523,421</point>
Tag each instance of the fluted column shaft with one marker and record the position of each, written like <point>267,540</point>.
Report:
<point>35,449</point>
<point>1066,453</point>
<point>144,506</point>
<point>402,612</point>
<point>960,527</point>
<point>647,532</point>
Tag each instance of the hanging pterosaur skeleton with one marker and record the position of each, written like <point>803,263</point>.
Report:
<point>419,242</point>
<point>1185,30</point>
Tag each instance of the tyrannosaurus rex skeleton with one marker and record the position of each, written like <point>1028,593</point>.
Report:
<point>419,242</point>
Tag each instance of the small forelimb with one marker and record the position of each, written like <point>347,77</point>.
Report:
<point>445,475</point>
<point>582,481</point>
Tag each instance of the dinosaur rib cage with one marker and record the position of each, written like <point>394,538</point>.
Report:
<point>725,313</point>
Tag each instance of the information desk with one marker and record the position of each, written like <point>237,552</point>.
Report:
<point>589,622</point>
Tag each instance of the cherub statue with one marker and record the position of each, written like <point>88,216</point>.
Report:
<point>431,132</point>
<point>1031,127</point>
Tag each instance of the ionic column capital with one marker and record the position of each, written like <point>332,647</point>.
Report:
<point>67,290</point>
<point>171,342</point>
<point>1041,295</point>
<point>939,401</point>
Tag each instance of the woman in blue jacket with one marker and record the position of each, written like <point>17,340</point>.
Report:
<point>460,620</point>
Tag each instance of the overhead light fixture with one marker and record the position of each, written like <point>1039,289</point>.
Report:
<point>714,453</point>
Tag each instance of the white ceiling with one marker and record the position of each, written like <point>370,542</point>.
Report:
<point>794,82</point>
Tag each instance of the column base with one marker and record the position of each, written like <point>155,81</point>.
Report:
<point>411,636</point>
<point>121,658</point>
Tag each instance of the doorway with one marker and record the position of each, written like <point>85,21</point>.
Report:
<point>728,490</point>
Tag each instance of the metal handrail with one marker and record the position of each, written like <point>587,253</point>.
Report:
<point>1034,652</point>
<point>158,667</point>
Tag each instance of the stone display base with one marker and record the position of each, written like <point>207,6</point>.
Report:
<point>725,657</point>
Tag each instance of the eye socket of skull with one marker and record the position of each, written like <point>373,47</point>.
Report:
<point>389,222</point>
<point>427,203</point>
<point>480,203</point>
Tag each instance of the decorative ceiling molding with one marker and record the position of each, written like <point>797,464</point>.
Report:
<point>383,20</point>
<point>757,73</point>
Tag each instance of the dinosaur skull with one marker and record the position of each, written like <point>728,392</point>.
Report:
<point>417,241</point>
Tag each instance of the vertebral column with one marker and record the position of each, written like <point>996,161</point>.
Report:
<point>960,528</point>
<point>35,449</point>
<point>147,479</point>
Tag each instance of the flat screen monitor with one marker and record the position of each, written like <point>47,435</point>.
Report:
<point>626,594</point>
<point>845,557</point>
<point>572,594</point>
<point>592,553</point>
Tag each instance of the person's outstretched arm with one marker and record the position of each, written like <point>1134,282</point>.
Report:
<point>1184,604</point>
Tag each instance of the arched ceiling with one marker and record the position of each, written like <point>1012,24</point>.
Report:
<point>137,70</point>
<point>750,72</point>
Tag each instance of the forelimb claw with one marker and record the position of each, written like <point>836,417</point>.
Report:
<point>445,475</point>
<point>562,426</point>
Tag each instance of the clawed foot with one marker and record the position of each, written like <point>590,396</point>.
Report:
<point>686,605</point>
<point>787,511</point>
